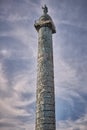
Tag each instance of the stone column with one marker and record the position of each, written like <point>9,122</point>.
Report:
<point>45,97</point>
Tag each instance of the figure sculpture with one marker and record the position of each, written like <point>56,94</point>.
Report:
<point>45,9</point>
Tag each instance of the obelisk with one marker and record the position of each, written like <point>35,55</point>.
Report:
<point>45,95</point>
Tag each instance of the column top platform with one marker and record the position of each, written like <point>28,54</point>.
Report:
<point>45,20</point>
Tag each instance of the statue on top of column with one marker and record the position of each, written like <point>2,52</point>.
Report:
<point>45,9</point>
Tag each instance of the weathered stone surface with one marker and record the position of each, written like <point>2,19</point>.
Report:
<point>45,114</point>
<point>48,120</point>
<point>46,127</point>
<point>45,107</point>
<point>45,104</point>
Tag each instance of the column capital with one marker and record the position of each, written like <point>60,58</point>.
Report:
<point>45,21</point>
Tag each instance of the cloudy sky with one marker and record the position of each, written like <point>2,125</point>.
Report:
<point>18,63</point>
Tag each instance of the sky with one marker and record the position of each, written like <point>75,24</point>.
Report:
<point>18,63</point>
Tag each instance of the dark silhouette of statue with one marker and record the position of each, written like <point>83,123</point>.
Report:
<point>45,9</point>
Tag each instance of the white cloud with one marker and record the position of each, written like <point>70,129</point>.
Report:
<point>21,83</point>
<point>67,83</point>
<point>64,75</point>
<point>26,37</point>
<point>4,53</point>
<point>64,72</point>
<point>14,18</point>
<point>8,110</point>
<point>3,79</point>
<point>80,124</point>
<point>9,106</point>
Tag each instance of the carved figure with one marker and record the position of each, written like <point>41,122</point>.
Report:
<point>45,9</point>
